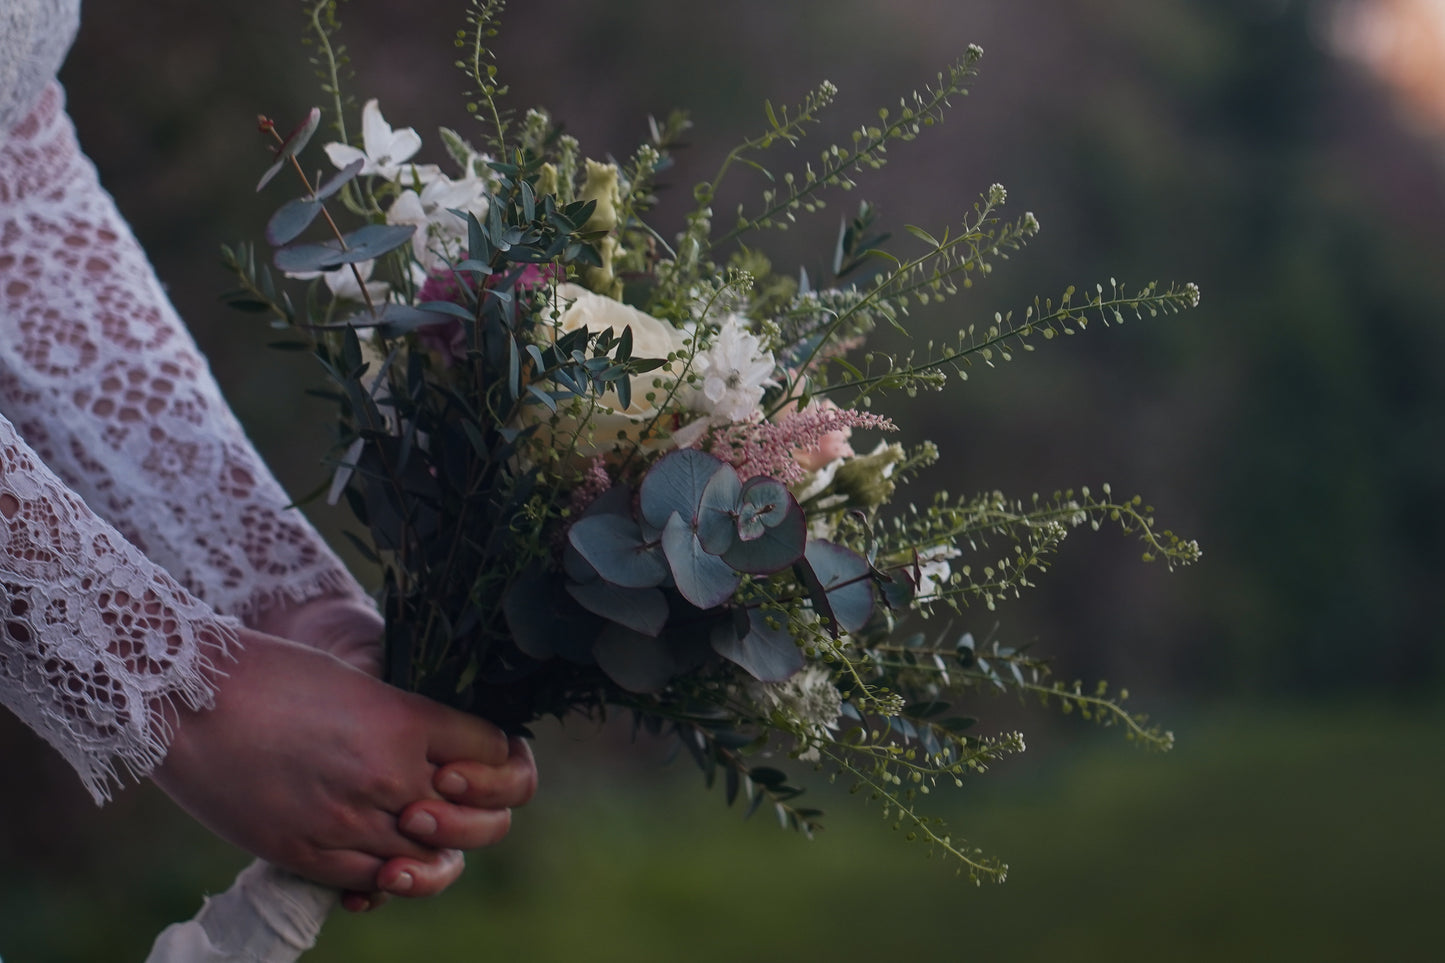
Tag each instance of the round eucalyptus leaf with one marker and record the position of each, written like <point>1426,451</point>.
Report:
<point>637,662</point>
<point>291,219</point>
<point>898,591</point>
<point>339,180</point>
<point>768,500</point>
<point>613,545</point>
<point>578,569</point>
<point>640,609</point>
<point>704,580</point>
<point>676,484</point>
<point>617,500</point>
<point>845,578</point>
<point>767,654</point>
<point>775,548</point>
<point>362,244</point>
<point>544,622</point>
<point>717,511</point>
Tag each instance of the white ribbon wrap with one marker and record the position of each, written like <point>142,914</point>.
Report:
<point>267,916</point>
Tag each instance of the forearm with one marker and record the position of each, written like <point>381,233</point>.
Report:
<point>99,645</point>
<point>102,379</point>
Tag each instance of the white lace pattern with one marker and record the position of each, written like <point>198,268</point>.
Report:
<point>107,390</point>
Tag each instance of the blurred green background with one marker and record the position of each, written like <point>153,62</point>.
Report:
<point>1293,424</point>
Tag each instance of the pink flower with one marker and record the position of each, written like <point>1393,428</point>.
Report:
<point>448,338</point>
<point>784,449</point>
<point>831,445</point>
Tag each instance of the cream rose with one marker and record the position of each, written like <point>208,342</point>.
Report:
<point>651,338</point>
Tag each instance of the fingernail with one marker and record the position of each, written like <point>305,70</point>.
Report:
<point>402,884</point>
<point>452,784</point>
<point>419,823</point>
<point>356,904</point>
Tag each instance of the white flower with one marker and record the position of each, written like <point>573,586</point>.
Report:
<point>735,370</point>
<point>933,568</point>
<point>651,338</point>
<point>439,233</point>
<point>809,698</point>
<point>342,282</point>
<point>386,150</point>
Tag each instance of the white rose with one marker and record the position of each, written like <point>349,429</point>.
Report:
<point>651,338</point>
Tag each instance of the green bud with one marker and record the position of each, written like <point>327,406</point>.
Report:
<point>547,179</point>
<point>601,280</point>
<point>601,186</point>
<point>867,479</point>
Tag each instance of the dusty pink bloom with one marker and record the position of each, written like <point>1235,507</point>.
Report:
<point>831,446</point>
<point>771,448</point>
<point>447,338</point>
<point>595,481</point>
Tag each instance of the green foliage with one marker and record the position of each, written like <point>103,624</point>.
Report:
<point>479,64</point>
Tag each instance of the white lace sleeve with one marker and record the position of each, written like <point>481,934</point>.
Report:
<point>95,638</point>
<point>103,381</point>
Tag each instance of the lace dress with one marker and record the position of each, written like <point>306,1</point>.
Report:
<point>137,524</point>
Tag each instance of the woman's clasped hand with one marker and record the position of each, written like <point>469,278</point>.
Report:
<point>316,766</point>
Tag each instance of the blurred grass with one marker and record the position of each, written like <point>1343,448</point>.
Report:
<point>1289,835</point>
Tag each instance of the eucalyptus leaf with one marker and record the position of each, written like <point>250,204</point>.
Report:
<point>339,180</point>
<point>637,662</point>
<point>363,244</point>
<point>448,308</point>
<point>291,219</point>
<point>541,618</point>
<point>718,510</point>
<point>676,484</point>
<point>844,576</point>
<point>292,145</point>
<point>394,319</point>
<point>898,592</point>
<point>776,548</point>
<point>767,654</point>
<point>613,545</point>
<point>704,580</point>
<point>642,610</point>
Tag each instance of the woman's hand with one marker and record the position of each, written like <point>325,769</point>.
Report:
<point>325,771</point>
<point>351,630</point>
<point>347,628</point>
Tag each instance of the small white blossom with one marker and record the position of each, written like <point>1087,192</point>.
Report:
<point>735,371</point>
<point>384,150</point>
<point>342,282</point>
<point>933,568</point>
<point>809,698</point>
<point>439,232</point>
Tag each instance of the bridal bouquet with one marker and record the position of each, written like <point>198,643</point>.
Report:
<point>604,464</point>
